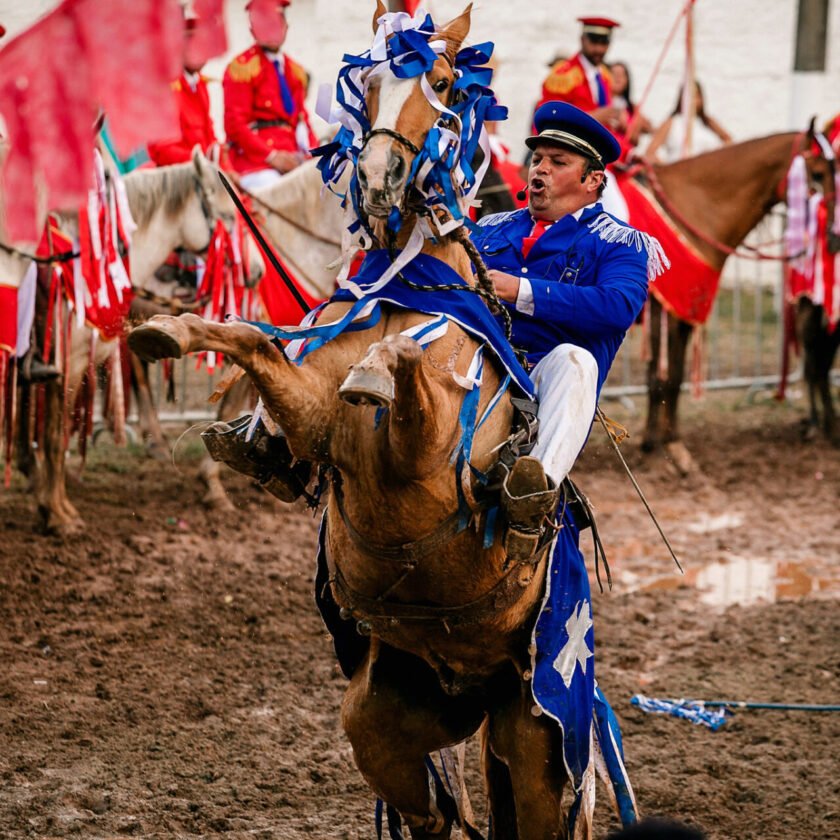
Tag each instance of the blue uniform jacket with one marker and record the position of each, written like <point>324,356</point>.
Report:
<point>589,285</point>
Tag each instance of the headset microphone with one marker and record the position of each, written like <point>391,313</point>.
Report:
<point>522,194</point>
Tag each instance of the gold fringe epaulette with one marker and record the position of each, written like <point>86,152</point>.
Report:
<point>562,81</point>
<point>300,73</point>
<point>244,70</point>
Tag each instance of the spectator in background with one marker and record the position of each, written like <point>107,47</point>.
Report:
<point>622,98</point>
<point>583,80</point>
<point>679,137</point>
<point>193,103</point>
<point>266,121</point>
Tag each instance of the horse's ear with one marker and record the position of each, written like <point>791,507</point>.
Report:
<point>380,10</point>
<point>456,31</point>
<point>203,167</point>
<point>812,127</point>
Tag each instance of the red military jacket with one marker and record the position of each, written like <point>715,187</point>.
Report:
<point>252,92</point>
<point>567,82</point>
<point>195,121</point>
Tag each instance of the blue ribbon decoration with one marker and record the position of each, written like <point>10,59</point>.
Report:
<point>409,55</point>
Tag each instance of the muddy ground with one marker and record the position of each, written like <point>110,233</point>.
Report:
<point>166,674</point>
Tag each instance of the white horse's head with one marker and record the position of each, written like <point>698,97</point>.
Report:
<point>179,206</point>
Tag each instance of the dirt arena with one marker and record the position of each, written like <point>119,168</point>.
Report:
<point>166,674</point>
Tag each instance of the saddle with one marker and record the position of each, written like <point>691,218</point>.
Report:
<point>267,458</point>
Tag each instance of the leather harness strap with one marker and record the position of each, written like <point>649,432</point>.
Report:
<point>407,554</point>
<point>378,614</point>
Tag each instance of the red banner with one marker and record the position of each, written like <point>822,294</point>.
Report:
<point>86,54</point>
<point>8,318</point>
<point>688,288</point>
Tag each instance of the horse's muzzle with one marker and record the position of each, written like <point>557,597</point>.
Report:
<point>382,179</point>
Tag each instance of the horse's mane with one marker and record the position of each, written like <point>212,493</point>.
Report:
<point>168,186</point>
<point>732,154</point>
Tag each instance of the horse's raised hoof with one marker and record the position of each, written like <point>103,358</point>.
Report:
<point>368,387</point>
<point>158,339</point>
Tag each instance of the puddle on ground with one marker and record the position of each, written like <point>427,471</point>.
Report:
<point>734,579</point>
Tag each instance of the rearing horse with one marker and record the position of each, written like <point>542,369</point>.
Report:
<point>447,619</point>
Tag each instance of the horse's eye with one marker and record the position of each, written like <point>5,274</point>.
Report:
<point>440,86</point>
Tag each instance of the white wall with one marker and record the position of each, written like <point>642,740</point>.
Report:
<point>743,48</point>
<point>744,51</point>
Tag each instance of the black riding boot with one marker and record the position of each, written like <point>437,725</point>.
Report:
<point>264,457</point>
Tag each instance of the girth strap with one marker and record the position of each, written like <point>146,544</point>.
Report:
<point>379,614</point>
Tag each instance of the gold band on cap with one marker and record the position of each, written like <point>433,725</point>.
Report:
<point>589,29</point>
<point>569,140</point>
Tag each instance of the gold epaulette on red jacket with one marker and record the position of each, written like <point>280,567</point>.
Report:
<point>246,66</point>
<point>564,78</point>
<point>301,74</point>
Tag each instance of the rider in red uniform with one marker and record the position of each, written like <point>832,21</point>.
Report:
<point>266,122</point>
<point>193,102</point>
<point>583,80</point>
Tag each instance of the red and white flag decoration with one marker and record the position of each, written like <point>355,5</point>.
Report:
<point>119,55</point>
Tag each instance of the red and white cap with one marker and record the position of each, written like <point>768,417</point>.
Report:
<point>598,26</point>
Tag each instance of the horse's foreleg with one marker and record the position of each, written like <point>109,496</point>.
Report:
<point>523,761</point>
<point>656,394</point>
<point>56,512</point>
<point>295,398</point>
<point>391,375</point>
<point>395,714</point>
<point>679,333</point>
<point>147,413</point>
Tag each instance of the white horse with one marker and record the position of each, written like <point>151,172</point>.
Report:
<point>305,225</point>
<point>174,207</point>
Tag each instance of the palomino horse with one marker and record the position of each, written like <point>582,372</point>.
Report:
<point>175,206</point>
<point>715,199</point>
<point>448,619</point>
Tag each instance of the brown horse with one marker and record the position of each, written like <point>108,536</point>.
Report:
<point>715,199</point>
<point>448,620</point>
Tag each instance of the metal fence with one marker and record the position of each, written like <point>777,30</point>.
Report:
<point>742,341</point>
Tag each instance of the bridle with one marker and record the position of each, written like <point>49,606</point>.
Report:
<point>400,138</point>
<point>206,211</point>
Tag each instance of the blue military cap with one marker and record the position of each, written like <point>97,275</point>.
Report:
<point>564,125</point>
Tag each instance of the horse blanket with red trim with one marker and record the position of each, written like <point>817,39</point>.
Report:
<point>688,290</point>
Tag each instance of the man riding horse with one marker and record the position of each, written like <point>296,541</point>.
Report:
<point>443,628</point>
<point>573,278</point>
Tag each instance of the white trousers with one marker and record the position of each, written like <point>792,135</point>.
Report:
<point>252,181</point>
<point>566,382</point>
